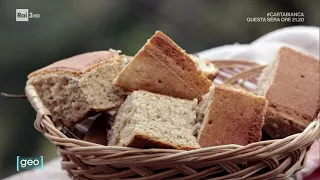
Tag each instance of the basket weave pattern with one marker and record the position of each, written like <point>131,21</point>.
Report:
<point>272,159</point>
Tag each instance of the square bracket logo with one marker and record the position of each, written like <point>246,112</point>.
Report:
<point>22,14</point>
<point>25,163</point>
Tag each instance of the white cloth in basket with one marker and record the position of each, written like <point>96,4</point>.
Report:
<point>265,48</point>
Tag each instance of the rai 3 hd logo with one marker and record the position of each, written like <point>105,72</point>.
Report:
<point>25,15</point>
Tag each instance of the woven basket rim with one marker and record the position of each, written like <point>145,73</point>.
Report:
<point>270,151</point>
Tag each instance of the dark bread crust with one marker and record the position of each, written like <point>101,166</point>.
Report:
<point>234,117</point>
<point>293,93</point>
<point>278,127</point>
<point>147,141</point>
<point>74,68</point>
<point>77,64</point>
<point>161,66</point>
<point>299,76</point>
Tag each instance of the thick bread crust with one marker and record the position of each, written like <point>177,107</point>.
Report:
<point>161,66</point>
<point>210,74</point>
<point>299,75</point>
<point>292,89</point>
<point>146,141</point>
<point>278,128</point>
<point>76,65</point>
<point>234,117</point>
<point>279,125</point>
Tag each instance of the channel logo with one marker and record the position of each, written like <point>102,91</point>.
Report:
<point>22,14</point>
<point>25,15</point>
<point>25,163</point>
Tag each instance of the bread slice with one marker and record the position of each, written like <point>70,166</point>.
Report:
<point>231,116</point>
<point>291,84</point>
<point>73,87</point>
<point>208,69</point>
<point>149,120</point>
<point>161,66</point>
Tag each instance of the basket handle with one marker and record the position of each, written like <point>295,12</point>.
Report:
<point>37,104</point>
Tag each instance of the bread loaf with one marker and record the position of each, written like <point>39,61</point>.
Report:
<point>162,67</point>
<point>149,120</point>
<point>291,84</point>
<point>73,87</point>
<point>230,116</point>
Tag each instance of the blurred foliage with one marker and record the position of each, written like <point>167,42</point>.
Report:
<point>66,28</point>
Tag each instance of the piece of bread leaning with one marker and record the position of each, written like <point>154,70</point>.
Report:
<point>208,68</point>
<point>291,84</point>
<point>227,115</point>
<point>161,66</point>
<point>73,87</point>
<point>149,120</point>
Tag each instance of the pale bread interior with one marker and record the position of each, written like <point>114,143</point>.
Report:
<point>266,78</point>
<point>203,109</point>
<point>98,88</point>
<point>70,97</point>
<point>207,68</point>
<point>161,118</point>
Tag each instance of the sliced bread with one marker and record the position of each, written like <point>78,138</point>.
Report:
<point>149,120</point>
<point>73,87</point>
<point>291,84</point>
<point>162,67</point>
<point>230,116</point>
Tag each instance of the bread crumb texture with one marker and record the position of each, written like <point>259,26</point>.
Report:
<point>157,120</point>
<point>71,93</point>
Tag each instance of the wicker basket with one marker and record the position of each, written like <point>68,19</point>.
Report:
<point>272,159</point>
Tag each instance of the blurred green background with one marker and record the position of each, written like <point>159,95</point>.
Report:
<point>66,28</point>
